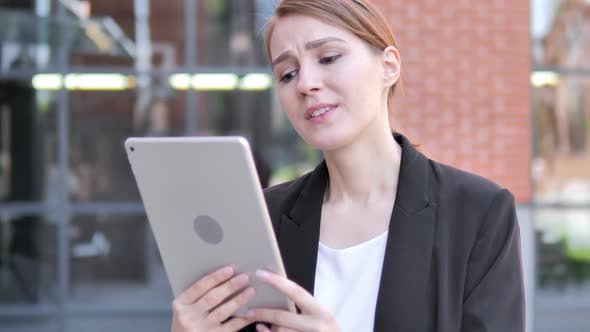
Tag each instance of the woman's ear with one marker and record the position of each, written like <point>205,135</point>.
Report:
<point>391,65</point>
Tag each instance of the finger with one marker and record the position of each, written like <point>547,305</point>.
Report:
<point>217,295</point>
<point>262,328</point>
<point>229,308</point>
<point>296,293</point>
<point>276,328</point>
<point>236,324</point>
<point>282,318</point>
<point>199,288</point>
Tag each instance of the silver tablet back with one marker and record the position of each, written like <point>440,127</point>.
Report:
<point>206,210</point>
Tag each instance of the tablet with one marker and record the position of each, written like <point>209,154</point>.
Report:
<point>206,210</point>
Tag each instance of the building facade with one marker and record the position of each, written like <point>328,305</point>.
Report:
<point>493,87</point>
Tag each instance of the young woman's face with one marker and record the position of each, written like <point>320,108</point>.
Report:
<point>330,82</point>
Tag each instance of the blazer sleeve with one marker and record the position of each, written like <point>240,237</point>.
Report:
<point>494,288</point>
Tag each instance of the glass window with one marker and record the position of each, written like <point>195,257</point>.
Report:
<point>29,324</point>
<point>561,165</point>
<point>28,261</point>
<point>228,33</point>
<point>561,101</point>
<point>114,261</point>
<point>100,123</point>
<point>34,37</point>
<point>147,323</point>
<point>563,268</point>
<point>118,69</point>
<point>26,120</point>
<point>561,112</point>
<point>560,33</point>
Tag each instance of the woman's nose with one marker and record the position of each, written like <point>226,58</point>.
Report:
<point>309,81</point>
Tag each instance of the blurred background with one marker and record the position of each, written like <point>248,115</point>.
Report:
<point>497,87</point>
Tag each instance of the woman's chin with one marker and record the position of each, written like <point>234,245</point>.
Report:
<point>327,143</point>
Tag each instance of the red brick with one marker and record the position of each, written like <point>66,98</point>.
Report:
<point>473,111</point>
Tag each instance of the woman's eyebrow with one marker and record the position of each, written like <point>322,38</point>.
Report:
<point>322,41</point>
<point>309,45</point>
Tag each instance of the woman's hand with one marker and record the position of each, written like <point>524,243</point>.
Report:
<point>313,317</point>
<point>198,308</point>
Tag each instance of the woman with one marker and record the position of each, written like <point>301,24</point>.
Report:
<point>384,238</point>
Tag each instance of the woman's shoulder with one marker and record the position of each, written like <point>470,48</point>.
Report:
<point>472,206</point>
<point>466,188</point>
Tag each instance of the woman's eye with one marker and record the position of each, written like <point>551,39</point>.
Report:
<point>288,76</point>
<point>329,59</point>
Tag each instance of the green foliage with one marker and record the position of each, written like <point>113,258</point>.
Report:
<point>215,7</point>
<point>559,265</point>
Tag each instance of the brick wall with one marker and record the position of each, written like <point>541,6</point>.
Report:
<point>466,92</point>
<point>465,72</point>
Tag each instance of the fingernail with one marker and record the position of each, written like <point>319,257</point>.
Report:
<point>262,274</point>
<point>227,270</point>
<point>250,314</point>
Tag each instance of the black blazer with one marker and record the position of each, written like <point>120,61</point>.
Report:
<point>452,260</point>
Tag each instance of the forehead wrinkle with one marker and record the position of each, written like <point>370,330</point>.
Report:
<point>308,46</point>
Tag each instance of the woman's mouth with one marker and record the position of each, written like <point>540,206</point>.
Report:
<point>320,114</point>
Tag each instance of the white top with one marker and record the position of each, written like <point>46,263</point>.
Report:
<point>347,282</point>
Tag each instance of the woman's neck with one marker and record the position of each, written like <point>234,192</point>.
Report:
<point>364,171</point>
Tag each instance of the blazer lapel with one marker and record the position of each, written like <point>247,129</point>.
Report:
<point>405,274</point>
<point>402,299</point>
<point>299,230</point>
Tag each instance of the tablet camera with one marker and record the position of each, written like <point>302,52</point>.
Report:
<point>208,229</point>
